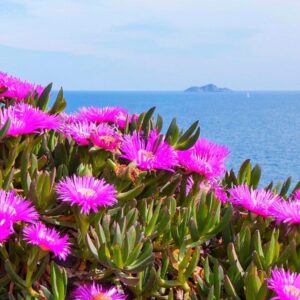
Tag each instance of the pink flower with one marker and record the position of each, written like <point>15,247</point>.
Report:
<point>114,115</point>
<point>17,89</point>
<point>285,284</point>
<point>17,208</point>
<point>286,211</point>
<point>106,137</point>
<point>205,158</point>
<point>97,292</point>
<point>149,154</point>
<point>209,186</point>
<point>5,227</point>
<point>26,119</point>
<point>80,131</point>
<point>87,192</point>
<point>258,201</point>
<point>48,239</point>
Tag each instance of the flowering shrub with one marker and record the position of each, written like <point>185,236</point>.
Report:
<point>101,204</point>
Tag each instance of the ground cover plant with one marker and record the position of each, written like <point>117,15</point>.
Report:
<point>102,204</point>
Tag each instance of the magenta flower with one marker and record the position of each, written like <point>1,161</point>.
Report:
<point>204,158</point>
<point>80,132</point>
<point>87,192</point>
<point>17,89</point>
<point>149,155</point>
<point>97,292</point>
<point>286,211</point>
<point>48,239</point>
<point>26,119</point>
<point>16,208</point>
<point>258,201</point>
<point>5,227</point>
<point>106,137</point>
<point>285,284</point>
<point>114,115</point>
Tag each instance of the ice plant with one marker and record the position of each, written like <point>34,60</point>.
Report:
<point>285,284</point>
<point>286,211</point>
<point>205,158</point>
<point>87,192</point>
<point>17,89</point>
<point>208,186</point>
<point>97,292</point>
<point>48,239</point>
<point>257,201</point>
<point>5,227</point>
<point>17,208</point>
<point>106,137</point>
<point>80,131</point>
<point>114,115</point>
<point>26,119</point>
<point>148,154</point>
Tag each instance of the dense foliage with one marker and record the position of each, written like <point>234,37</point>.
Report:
<point>100,204</point>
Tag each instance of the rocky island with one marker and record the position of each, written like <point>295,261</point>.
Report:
<point>209,88</point>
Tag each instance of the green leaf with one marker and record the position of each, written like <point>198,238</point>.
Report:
<point>285,187</point>
<point>270,251</point>
<point>244,172</point>
<point>131,194</point>
<point>147,117</point>
<point>189,142</point>
<point>59,104</point>
<point>193,264</point>
<point>13,275</point>
<point>159,123</point>
<point>172,133</point>
<point>5,128</point>
<point>255,176</point>
<point>230,290</point>
<point>44,98</point>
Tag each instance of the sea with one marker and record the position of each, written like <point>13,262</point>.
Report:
<point>263,126</point>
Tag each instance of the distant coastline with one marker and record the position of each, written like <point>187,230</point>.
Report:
<point>208,88</point>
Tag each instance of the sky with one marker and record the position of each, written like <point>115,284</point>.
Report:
<point>153,44</point>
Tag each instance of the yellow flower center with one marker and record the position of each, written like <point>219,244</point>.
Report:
<point>86,192</point>
<point>292,290</point>
<point>107,138</point>
<point>101,296</point>
<point>145,155</point>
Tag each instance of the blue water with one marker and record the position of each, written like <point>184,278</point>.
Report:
<point>264,127</point>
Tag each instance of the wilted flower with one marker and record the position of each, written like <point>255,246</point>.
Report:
<point>17,208</point>
<point>16,88</point>
<point>106,137</point>
<point>5,227</point>
<point>286,211</point>
<point>26,119</point>
<point>258,201</point>
<point>97,292</point>
<point>80,132</point>
<point>149,154</point>
<point>114,115</point>
<point>48,239</point>
<point>87,192</point>
<point>285,284</point>
<point>205,158</point>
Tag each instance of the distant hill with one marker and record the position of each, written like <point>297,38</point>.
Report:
<point>209,88</point>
